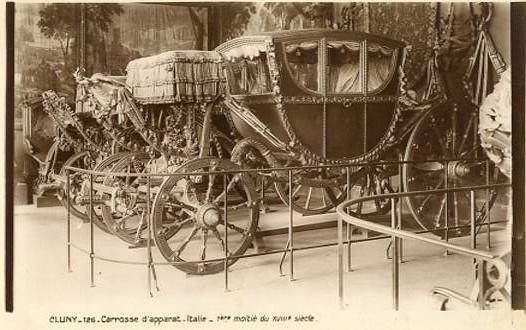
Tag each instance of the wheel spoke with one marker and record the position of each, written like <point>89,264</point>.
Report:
<point>139,228</point>
<point>187,240</point>
<point>204,238</point>
<point>211,180</point>
<point>438,135</point>
<point>454,132</point>
<point>171,229</point>
<point>296,190</point>
<point>238,206</point>
<point>307,201</point>
<point>469,152</point>
<point>218,237</point>
<point>440,211</point>
<point>331,195</point>
<point>455,204</point>
<point>229,187</point>
<point>465,135</point>
<point>188,209</point>
<point>324,201</point>
<point>121,222</point>
<point>234,227</point>
<point>420,208</point>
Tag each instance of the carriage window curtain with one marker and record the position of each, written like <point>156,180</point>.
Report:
<point>344,67</point>
<point>302,60</point>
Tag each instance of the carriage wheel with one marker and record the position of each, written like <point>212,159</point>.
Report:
<point>370,181</point>
<point>313,191</point>
<point>79,160</point>
<point>78,188</point>
<point>446,133</point>
<point>188,216</point>
<point>105,166</point>
<point>126,216</point>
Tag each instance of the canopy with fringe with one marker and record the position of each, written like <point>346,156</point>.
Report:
<point>176,76</point>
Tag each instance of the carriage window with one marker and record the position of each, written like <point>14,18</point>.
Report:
<point>302,59</point>
<point>248,71</point>
<point>343,67</point>
<point>381,62</point>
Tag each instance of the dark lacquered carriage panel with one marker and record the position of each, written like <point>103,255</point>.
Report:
<point>337,89</point>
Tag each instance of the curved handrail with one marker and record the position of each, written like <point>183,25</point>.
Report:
<point>497,280</point>
<point>404,234</point>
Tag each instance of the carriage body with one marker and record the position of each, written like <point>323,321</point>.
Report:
<point>328,96</point>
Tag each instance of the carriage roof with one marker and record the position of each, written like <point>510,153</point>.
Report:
<point>176,76</point>
<point>186,56</point>
<point>294,35</point>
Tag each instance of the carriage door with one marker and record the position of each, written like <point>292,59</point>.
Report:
<point>360,95</point>
<point>303,94</point>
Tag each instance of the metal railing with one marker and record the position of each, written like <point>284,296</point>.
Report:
<point>490,268</point>
<point>286,173</point>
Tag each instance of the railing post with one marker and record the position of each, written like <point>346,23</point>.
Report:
<point>487,207</point>
<point>291,237</point>
<point>395,260</point>
<point>149,240</point>
<point>340,260</point>
<point>446,205</point>
<point>472,218</point>
<point>92,252</point>
<point>225,216</point>
<point>400,207</point>
<point>472,228</point>
<point>481,267</point>
<point>68,218</point>
<point>262,204</point>
<point>349,226</point>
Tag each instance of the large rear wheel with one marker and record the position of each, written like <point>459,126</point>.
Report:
<point>447,132</point>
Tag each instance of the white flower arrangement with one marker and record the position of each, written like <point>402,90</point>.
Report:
<point>495,124</point>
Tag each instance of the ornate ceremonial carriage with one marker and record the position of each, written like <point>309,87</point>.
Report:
<point>285,99</point>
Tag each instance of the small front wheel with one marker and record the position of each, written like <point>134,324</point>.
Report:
<point>193,225</point>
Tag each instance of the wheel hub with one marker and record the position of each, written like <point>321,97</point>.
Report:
<point>208,216</point>
<point>457,170</point>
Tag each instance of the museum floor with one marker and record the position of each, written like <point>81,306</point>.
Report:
<point>44,287</point>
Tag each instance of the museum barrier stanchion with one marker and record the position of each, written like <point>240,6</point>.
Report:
<point>225,215</point>
<point>289,247</point>
<point>400,243</point>
<point>395,242</point>
<point>399,209</point>
<point>291,223</point>
<point>92,243</point>
<point>472,227</point>
<point>446,205</point>
<point>349,226</point>
<point>395,200</point>
<point>68,218</point>
<point>150,263</point>
<point>149,239</point>
<point>487,208</point>
<point>488,267</point>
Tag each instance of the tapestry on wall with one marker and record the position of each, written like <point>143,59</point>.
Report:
<point>412,23</point>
